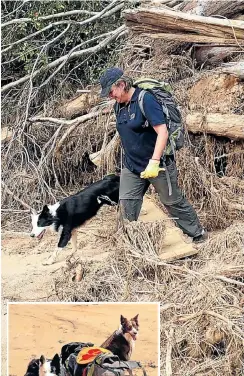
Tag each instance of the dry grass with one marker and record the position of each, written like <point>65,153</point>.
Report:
<point>36,174</point>
<point>218,200</point>
<point>201,298</point>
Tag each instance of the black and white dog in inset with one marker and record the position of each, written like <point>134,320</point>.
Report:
<point>44,367</point>
<point>73,211</point>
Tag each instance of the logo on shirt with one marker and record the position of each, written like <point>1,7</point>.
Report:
<point>145,125</point>
<point>132,116</point>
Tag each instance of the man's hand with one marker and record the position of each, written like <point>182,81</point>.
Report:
<point>152,169</point>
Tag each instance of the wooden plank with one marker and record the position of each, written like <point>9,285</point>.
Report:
<point>176,245</point>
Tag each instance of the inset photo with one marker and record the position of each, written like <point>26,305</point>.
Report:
<point>83,339</point>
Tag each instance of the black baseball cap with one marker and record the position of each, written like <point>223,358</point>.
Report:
<point>110,76</point>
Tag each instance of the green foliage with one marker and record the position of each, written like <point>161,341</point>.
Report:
<point>42,49</point>
<point>26,53</point>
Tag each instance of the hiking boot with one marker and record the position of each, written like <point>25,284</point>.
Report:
<point>200,238</point>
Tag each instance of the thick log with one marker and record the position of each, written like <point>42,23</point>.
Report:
<point>80,105</point>
<point>236,69</point>
<point>231,126</point>
<point>211,55</point>
<point>168,21</point>
<point>158,3</point>
<point>208,55</point>
<point>6,134</point>
<point>226,8</point>
<point>192,38</point>
<point>98,157</point>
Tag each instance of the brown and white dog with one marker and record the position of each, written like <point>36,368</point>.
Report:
<point>122,341</point>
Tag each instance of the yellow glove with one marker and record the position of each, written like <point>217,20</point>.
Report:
<point>152,169</point>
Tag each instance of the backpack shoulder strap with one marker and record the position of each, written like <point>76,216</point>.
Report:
<point>140,101</point>
<point>116,108</point>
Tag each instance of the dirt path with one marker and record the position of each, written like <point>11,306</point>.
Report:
<point>43,329</point>
<point>24,278</point>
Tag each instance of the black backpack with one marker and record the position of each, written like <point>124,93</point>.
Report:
<point>73,348</point>
<point>162,92</point>
<point>103,365</point>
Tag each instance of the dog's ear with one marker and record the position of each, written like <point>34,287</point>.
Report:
<point>56,362</point>
<point>45,209</point>
<point>56,358</point>
<point>122,320</point>
<point>136,319</point>
<point>42,360</point>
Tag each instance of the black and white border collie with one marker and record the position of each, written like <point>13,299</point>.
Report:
<point>44,367</point>
<point>73,211</point>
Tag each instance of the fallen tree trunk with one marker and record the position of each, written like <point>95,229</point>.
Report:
<point>234,68</point>
<point>98,157</point>
<point>231,126</point>
<point>192,38</point>
<point>226,8</point>
<point>80,105</point>
<point>211,55</point>
<point>165,21</point>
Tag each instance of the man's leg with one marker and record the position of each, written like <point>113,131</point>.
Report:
<point>176,204</point>
<point>131,192</point>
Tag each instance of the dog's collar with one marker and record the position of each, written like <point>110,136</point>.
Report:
<point>106,198</point>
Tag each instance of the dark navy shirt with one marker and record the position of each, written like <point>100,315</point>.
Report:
<point>138,137</point>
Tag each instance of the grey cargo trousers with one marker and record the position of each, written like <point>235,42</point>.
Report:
<point>133,188</point>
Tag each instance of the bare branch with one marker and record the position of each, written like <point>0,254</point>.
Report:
<point>50,16</point>
<point>72,123</point>
<point>7,190</point>
<point>95,16</point>
<point>51,120</point>
<point>68,55</point>
<point>77,121</point>
<point>15,10</point>
<point>113,35</point>
<point>35,34</point>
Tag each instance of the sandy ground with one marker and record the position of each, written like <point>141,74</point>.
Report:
<point>36,329</point>
<point>25,279</point>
